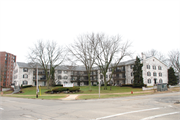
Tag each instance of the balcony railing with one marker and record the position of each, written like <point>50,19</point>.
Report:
<point>118,77</point>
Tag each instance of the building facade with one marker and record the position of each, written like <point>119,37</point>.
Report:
<point>154,72</point>
<point>7,61</point>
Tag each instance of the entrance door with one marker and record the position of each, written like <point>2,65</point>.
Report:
<point>155,81</point>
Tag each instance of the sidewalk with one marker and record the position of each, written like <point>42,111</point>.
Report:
<point>70,97</point>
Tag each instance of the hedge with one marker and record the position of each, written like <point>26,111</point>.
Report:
<point>61,89</point>
<point>139,85</point>
<point>127,85</point>
<point>57,85</point>
<point>26,86</point>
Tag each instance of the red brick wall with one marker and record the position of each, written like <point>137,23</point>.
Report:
<point>7,61</point>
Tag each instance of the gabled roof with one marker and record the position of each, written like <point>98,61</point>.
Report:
<point>156,59</point>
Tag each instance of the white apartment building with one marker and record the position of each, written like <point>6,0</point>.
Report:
<point>154,71</point>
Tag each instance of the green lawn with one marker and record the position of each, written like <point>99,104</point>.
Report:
<point>114,89</point>
<point>31,92</point>
<point>39,97</point>
<point>84,90</point>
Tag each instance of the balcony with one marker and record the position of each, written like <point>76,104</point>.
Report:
<point>34,78</point>
<point>118,77</point>
<point>119,70</point>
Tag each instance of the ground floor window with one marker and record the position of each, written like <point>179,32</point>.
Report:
<point>25,82</point>
<point>149,81</point>
<point>160,81</point>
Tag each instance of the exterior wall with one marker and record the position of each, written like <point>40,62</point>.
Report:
<point>129,77</point>
<point>63,74</point>
<point>122,75</point>
<point>154,62</point>
<point>7,61</point>
<point>29,79</point>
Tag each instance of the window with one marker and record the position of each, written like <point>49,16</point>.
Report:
<point>65,72</point>
<point>159,68</point>
<point>148,73</point>
<point>154,67</point>
<point>160,74</point>
<point>59,71</point>
<point>106,76</point>
<point>101,77</point>
<point>25,76</point>
<point>148,67</point>
<point>59,77</point>
<point>160,81</point>
<point>154,74</point>
<point>25,70</point>
<point>59,82</point>
<point>65,77</point>
<point>25,82</point>
<point>149,81</point>
<point>131,73</point>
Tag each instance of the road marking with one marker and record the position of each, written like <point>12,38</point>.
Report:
<point>126,113</point>
<point>152,117</point>
<point>1,109</point>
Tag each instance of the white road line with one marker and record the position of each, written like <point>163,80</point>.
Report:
<point>1,109</point>
<point>152,117</point>
<point>126,113</point>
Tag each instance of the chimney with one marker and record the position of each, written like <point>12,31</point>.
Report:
<point>143,56</point>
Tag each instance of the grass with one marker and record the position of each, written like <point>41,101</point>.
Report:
<point>84,94</point>
<point>39,97</point>
<point>114,89</point>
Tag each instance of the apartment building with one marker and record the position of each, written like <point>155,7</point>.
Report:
<point>154,72</point>
<point>7,61</point>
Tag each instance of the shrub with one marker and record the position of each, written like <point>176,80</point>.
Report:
<point>26,86</point>
<point>61,89</point>
<point>94,85</point>
<point>57,85</point>
<point>138,85</point>
<point>127,85</point>
<point>49,91</point>
<point>73,89</point>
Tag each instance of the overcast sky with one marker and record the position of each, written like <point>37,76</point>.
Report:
<point>148,24</point>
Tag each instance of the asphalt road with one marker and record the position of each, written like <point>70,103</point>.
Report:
<point>147,107</point>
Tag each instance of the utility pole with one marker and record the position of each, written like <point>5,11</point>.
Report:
<point>99,88</point>
<point>36,80</point>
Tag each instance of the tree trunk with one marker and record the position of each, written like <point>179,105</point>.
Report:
<point>89,80</point>
<point>105,82</point>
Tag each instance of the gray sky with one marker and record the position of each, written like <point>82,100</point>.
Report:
<point>148,24</point>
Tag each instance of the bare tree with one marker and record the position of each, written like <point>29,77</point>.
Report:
<point>84,51</point>
<point>158,55</point>
<point>48,55</point>
<point>110,52</point>
<point>174,58</point>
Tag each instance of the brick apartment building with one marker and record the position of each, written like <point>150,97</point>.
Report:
<point>7,61</point>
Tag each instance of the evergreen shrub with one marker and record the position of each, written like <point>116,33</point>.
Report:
<point>26,86</point>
